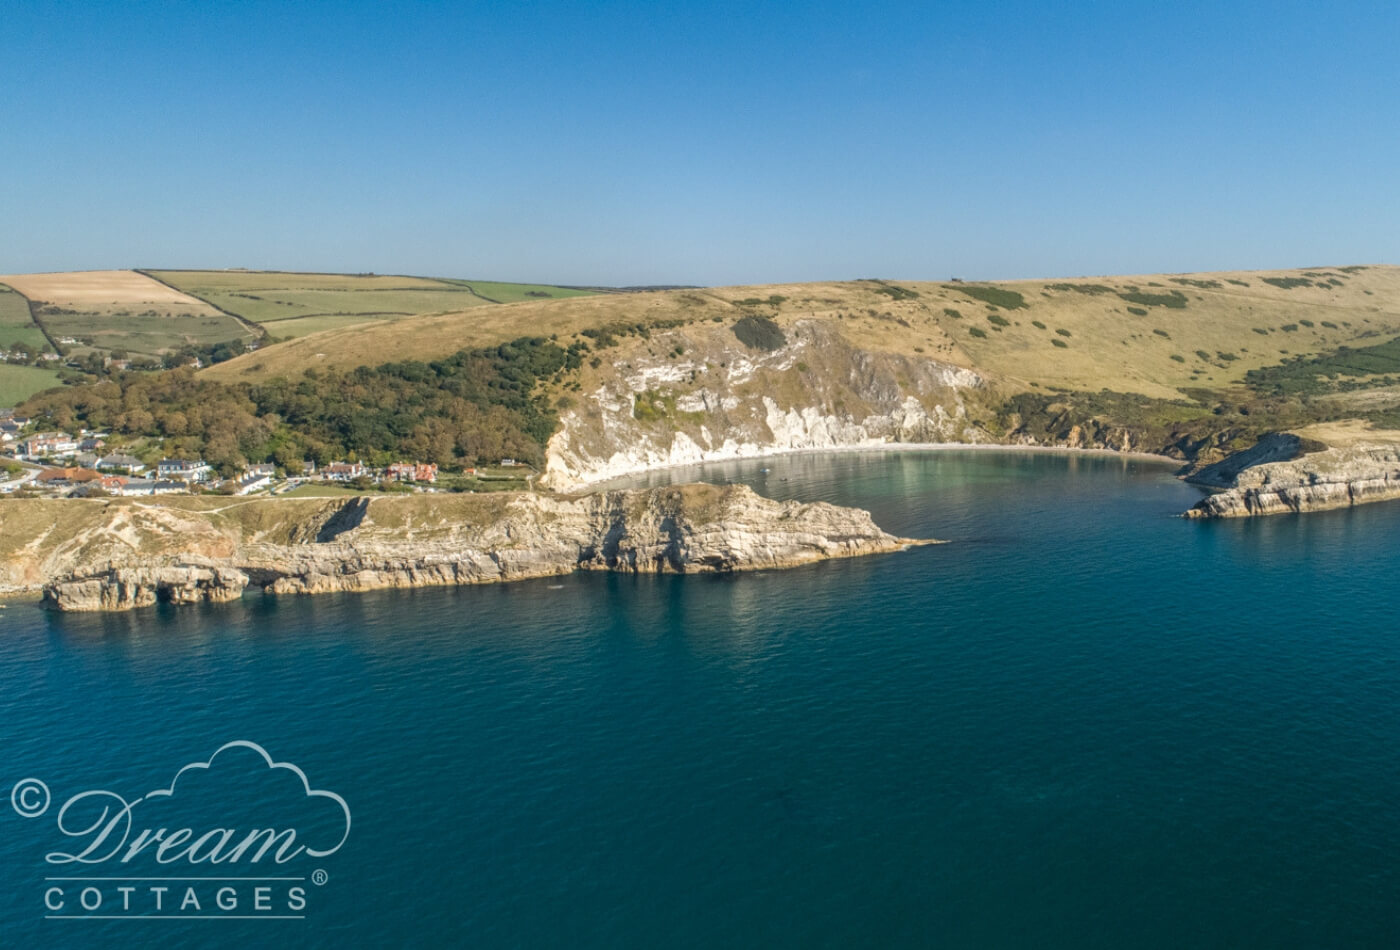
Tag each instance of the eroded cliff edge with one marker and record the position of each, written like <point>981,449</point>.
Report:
<point>1280,475</point>
<point>113,555</point>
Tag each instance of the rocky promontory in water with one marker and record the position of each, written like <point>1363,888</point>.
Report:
<point>1279,475</point>
<point>114,555</point>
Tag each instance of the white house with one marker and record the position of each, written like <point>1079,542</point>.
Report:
<point>184,470</point>
<point>48,444</point>
<point>121,463</point>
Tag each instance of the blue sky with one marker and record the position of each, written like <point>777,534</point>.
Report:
<point>710,143</point>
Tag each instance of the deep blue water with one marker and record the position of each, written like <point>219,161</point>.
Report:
<point>1085,723</point>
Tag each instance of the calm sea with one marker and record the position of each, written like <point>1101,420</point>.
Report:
<point>1085,723</point>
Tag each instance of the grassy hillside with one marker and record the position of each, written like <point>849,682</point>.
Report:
<point>1193,365</point>
<point>434,336</point>
<point>1153,335</point>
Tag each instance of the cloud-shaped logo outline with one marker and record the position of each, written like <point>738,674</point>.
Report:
<point>305,784</point>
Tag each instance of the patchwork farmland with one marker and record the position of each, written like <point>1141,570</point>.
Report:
<point>123,311</point>
<point>291,305</point>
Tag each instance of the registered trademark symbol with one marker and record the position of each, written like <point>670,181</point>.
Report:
<point>319,877</point>
<point>30,798</point>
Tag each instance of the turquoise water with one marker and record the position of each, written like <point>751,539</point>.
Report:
<point>1085,723</point>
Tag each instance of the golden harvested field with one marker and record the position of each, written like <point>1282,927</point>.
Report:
<point>106,291</point>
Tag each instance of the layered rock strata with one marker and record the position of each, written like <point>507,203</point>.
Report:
<point>125,555</point>
<point>1331,478</point>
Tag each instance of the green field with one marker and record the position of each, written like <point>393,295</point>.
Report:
<point>18,383</point>
<point>275,297</point>
<point>147,336</point>
<point>198,282</point>
<point>273,306</point>
<point>16,326</point>
<point>514,293</point>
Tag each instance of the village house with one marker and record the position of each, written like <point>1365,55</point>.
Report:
<point>48,445</point>
<point>412,472</point>
<point>184,470</point>
<point>103,484</point>
<point>137,486</point>
<point>121,463</point>
<point>253,478</point>
<point>343,471</point>
<point>64,477</point>
<point>10,426</point>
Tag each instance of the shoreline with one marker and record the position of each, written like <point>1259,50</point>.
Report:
<point>608,483</point>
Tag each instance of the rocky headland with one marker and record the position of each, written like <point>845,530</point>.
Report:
<point>1284,474</point>
<point>114,555</point>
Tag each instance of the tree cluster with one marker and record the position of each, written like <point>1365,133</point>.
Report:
<point>475,406</point>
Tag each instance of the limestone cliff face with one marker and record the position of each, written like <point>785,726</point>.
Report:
<point>122,588</point>
<point>698,394</point>
<point>363,544</point>
<point>1334,478</point>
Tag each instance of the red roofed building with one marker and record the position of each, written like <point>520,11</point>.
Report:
<point>413,472</point>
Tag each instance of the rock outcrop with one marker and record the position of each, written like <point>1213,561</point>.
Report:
<point>127,555</point>
<point>724,400</point>
<point>124,588</point>
<point>1333,478</point>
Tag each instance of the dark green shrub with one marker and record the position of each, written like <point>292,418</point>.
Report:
<point>1176,300</point>
<point>1092,290</point>
<point>759,333</point>
<point>996,296</point>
